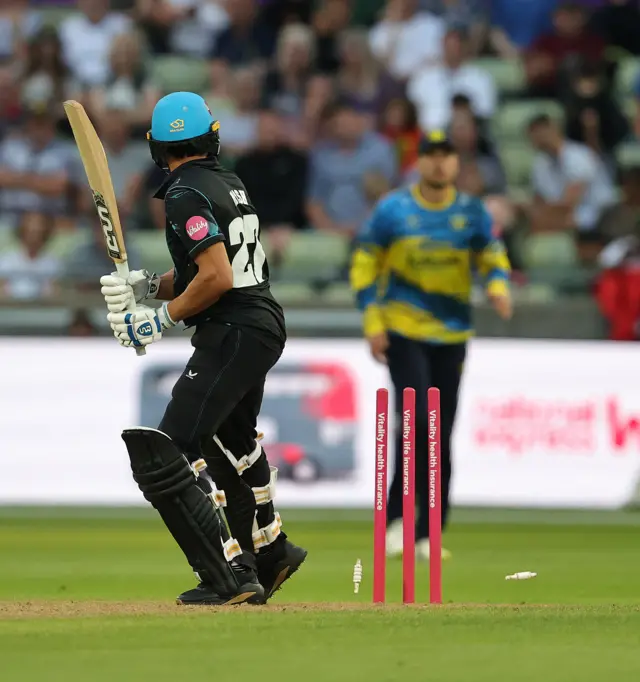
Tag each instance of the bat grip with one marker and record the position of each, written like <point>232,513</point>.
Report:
<point>123,270</point>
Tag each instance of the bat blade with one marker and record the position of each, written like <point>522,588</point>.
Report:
<point>94,160</point>
<point>96,167</point>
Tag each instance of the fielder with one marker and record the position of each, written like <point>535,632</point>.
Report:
<point>205,453</point>
<point>413,269</point>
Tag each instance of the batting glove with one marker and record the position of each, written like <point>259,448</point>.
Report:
<point>141,327</point>
<point>120,293</point>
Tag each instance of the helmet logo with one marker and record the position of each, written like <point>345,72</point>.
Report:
<point>177,126</point>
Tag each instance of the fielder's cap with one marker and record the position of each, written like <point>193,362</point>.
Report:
<point>436,140</point>
<point>181,116</point>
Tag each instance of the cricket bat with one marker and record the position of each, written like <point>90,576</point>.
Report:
<point>96,167</point>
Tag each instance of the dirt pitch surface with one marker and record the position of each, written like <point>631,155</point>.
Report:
<point>93,609</point>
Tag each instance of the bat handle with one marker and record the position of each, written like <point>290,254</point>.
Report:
<point>123,270</point>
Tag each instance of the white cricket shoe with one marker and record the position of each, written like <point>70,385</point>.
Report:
<point>423,552</point>
<point>394,538</point>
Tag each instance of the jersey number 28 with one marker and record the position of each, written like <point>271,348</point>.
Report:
<point>247,268</point>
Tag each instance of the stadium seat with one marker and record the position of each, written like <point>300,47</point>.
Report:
<point>152,248</point>
<point>173,73</point>
<point>507,74</point>
<point>627,75</point>
<point>628,154</point>
<point>511,121</point>
<point>292,293</point>
<point>313,254</point>
<point>54,16</point>
<point>553,250</point>
<point>64,243</point>
<point>517,160</point>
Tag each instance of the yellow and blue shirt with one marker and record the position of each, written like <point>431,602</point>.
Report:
<point>414,265</point>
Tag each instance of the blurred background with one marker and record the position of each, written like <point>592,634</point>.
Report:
<point>321,105</point>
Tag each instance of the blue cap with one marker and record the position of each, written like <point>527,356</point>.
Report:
<point>181,116</point>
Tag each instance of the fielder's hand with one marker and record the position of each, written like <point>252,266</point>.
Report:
<point>120,294</point>
<point>378,345</point>
<point>502,305</point>
<point>141,327</point>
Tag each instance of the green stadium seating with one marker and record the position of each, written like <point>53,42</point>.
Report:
<point>511,121</point>
<point>292,293</point>
<point>172,73</point>
<point>64,243</point>
<point>53,16</point>
<point>628,154</point>
<point>152,249</point>
<point>517,160</point>
<point>553,250</point>
<point>314,254</point>
<point>628,72</point>
<point>507,74</point>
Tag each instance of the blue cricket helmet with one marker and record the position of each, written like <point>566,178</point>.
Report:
<point>182,125</point>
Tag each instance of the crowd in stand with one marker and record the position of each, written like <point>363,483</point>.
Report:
<point>321,105</point>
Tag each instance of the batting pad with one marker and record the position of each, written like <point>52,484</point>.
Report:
<point>169,483</point>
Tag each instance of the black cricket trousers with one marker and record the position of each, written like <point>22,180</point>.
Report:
<point>420,365</point>
<point>220,392</point>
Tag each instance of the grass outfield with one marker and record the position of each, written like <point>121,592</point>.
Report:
<point>87,595</point>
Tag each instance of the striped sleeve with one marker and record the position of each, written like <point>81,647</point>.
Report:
<point>367,264</point>
<point>491,258</point>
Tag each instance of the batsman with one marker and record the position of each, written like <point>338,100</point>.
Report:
<point>204,469</point>
<point>413,268</point>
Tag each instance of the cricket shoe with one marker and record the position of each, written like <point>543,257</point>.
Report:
<point>278,564</point>
<point>250,591</point>
<point>394,539</point>
<point>423,551</point>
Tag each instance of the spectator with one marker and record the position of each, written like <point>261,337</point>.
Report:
<point>295,55</point>
<point>400,127</point>
<point>433,89</point>
<point>248,37</point>
<point>148,213</point>
<point>18,24</point>
<point>128,158</point>
<point>129,87</point>
<point>9,100</point>
<point>571,184</point>
<point>281,13</point>
<point>358,79</point>
<point>470,16</point>
<point>618,288</point>
<point>35,168</point>
<point>89,260</point>
<point>462,104</point>
<point>29,272</point>
<point>182,26</point>
<point>219,95</point>
<point>87,37</point>
<point>464,135</point>
<point>622,219</point>
<point>556,55</point>
<point>618,22</point>
<point>336,200</point>
<point>517,24</point>
<point>331,19</point>
<point>375,186</point>
<point>320,94</point>
<point>592,116</point>
<point>275,176</point>
<point>46,77</point>
<point>407,41</point>
<point>81,325</point>
<point>239,127</point>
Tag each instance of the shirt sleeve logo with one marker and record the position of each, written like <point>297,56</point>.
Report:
<point>197,228</point>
